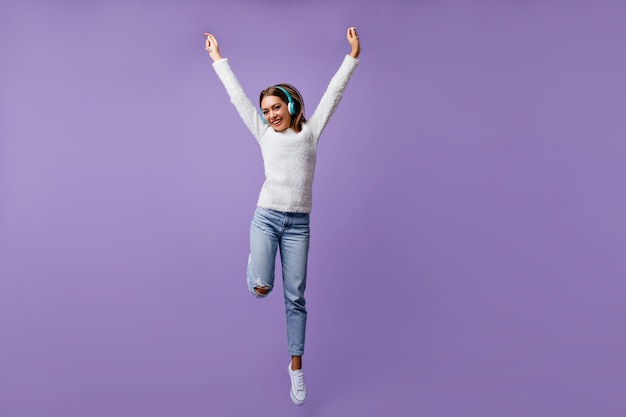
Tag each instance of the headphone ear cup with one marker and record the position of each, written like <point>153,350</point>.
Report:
<point>292,108</point>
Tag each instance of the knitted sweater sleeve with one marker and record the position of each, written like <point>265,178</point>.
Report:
<point>330,100</point>
<point>247,111</point>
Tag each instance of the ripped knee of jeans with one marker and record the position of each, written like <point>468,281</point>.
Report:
<point>261,289</point>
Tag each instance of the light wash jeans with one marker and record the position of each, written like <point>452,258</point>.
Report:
<point>290,233</point>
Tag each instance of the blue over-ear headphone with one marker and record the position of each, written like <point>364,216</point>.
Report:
<point>291,106</point>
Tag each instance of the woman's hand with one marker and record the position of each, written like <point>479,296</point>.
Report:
<point>353,40</point>
<point>212,47</point>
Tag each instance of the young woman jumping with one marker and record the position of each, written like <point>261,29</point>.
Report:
<point>288,142</point>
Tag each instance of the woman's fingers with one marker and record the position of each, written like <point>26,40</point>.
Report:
<point>210,42</point>
<point>210,38</point>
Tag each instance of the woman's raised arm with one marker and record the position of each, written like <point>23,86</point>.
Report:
<point>330,100</point>
<point>248,112</point>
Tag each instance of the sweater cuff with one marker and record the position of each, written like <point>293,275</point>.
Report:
<point>220,64</point>
<point>348,58</point>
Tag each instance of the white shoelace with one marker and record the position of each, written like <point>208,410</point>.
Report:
<point>297,380</point>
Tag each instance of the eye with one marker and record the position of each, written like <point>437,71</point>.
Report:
<point>265,111</point>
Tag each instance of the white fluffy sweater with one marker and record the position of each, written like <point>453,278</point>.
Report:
<point>288,157</point>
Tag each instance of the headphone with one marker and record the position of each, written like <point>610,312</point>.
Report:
<point>291,105</point>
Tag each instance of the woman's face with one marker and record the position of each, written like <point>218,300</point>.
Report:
<point>276,113</point>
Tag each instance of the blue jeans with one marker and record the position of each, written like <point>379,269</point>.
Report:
<point>289,232</point>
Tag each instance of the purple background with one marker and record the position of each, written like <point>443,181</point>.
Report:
<point>468,245</point>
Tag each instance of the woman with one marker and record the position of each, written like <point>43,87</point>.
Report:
<point>288,142</point>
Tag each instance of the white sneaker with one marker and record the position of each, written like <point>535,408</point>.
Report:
<point>298,389</point>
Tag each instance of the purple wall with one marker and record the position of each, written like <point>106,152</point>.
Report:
<point>469,241</point>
